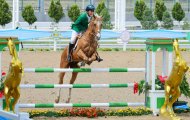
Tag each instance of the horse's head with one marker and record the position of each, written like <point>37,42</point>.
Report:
<point>97,25</point>
<point>11,46</point>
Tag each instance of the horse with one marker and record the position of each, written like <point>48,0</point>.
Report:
<point>85,51</point>
<point>172,90</point>
<point>13,78</point>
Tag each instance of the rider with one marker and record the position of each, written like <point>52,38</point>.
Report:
<point>79,27</point>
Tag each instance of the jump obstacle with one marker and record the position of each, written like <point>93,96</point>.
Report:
<point>152,98</point>
<point>38,70</point>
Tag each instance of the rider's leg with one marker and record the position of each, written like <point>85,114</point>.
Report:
<point>72,44</point>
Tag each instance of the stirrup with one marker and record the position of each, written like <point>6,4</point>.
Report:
<point>69,59</point>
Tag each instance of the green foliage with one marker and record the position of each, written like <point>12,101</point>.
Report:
<point>160,8</point>
<point>5,13</point>
<point>103,11</point>
<point>148,20</point>
<point>28,14</point>
<point>51,9</point>
<point>2,83</point>
<point>115,49</point>
<point>106,19</point>
<point>142,87</point>
<point>55,10</point>
<point>31,49</point>
<point>90,112</point>
<point>140,7</point>
<point>105,49</point>
<point>184,87</point>
<point>167,21</point>
<point>186,24</point>
<point>177,12</point>
<point>74,12</point>
<point>100,7</point>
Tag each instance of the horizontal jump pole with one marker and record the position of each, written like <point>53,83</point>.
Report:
<point>114,104</point>
<point>77,85</point>
<point>50,70</point>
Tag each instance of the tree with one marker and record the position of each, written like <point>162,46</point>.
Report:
<point>186,24</point>
<point>100,7</point>
<point>28,15</point>
<point>5,13</point>
<point>140,7</point>
<point>177,12</point>
<point>103,11</point>
<point>167,21</point>
<point>106,19</point>
<point>74,12</point>
<point>148,20</point>
<point>55,10</point>
<point>160,8</point>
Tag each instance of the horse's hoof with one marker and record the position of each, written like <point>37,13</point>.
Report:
<point>68,100</point>
<point>99,59</point>
<point>57,100</point>
<point>82,64</point>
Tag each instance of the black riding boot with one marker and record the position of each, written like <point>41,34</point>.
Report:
<point>69,52</point>
<point>98,58</point>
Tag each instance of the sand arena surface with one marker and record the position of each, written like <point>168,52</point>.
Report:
<point>129,59</point>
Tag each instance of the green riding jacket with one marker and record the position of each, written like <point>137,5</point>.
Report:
<point>81,24</point>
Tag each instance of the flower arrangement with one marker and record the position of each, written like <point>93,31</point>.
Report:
<point>90,112</point>
<point>160,80</point>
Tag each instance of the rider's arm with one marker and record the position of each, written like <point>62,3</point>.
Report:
<point>79,20</point>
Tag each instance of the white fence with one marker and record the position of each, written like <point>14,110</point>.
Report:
<point>62,43</point>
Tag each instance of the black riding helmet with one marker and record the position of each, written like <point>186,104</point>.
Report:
<point>90,8</point>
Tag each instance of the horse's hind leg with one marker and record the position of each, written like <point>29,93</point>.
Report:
<point>7,92</point>
<point>174,98</point>
<point>73,78</point>
<point>61,76</point>
<point>16,96</point>
<point>164,108</point>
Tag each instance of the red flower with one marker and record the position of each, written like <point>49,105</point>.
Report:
<point>162,79</point>
<point>135,88</point>
<point>1,94</point>
<point>3,73</point>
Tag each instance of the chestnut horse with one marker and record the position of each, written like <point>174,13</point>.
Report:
<point>85,51</point>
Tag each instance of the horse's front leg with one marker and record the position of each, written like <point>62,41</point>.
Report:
<point>82,55</point>
<point>72,80</point>
<point>7,93</point>
<point>93,57</point>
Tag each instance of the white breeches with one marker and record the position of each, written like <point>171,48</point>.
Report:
<point>74,36</point>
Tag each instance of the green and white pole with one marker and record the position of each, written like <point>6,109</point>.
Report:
<point>77,85</point>
<point>51,105</point>
<point>41,70</point>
